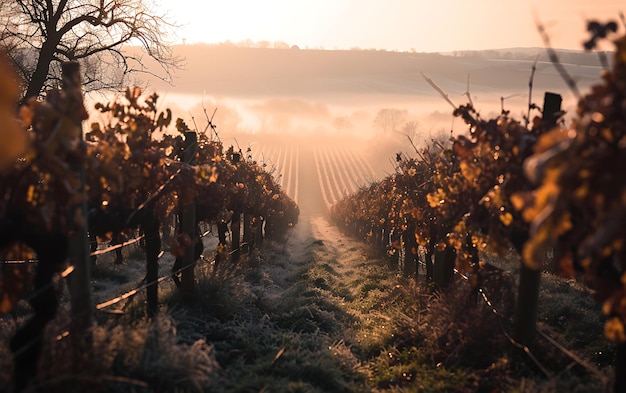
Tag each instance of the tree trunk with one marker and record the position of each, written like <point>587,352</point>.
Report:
<point>40,75</point>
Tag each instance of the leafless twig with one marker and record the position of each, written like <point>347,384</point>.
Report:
<point>467,91</point>
<point>530,89</point>
<point>554,58</point>
<point>439,90</point>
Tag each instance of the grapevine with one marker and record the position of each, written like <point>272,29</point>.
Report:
<point>578,204</point>
<point>136,177</point>
<point>38,211</point>
<point>533,188</point>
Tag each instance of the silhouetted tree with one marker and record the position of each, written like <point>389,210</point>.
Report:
<point>341,123</point>
<point>39,35</point>
<point>390,119</point>
<point>411,128</point>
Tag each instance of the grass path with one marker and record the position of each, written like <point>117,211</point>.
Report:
<point>324,317</point>
<point>315,314</point>
<point>303,318</point>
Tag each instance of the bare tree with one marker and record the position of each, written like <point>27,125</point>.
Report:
<point>341,124</point>
<point>411,128</point>
<point>390,119</point>
<point>39,35</point>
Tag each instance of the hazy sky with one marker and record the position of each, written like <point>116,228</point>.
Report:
<point>425,25</point>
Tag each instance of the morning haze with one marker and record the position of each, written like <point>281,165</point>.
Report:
<point>326,94</point>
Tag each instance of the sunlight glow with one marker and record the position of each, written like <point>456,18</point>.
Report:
<point>424,26</point>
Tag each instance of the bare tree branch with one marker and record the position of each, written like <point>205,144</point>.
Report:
<point>39,34</point>
<point>554,58</point>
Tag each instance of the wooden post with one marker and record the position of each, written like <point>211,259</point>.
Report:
<point>188,224</point>
<point>393,251</point>
<point>551,109</point>
<point>444,267</point>
<point>79,281</point>
<point>475,260</point>
<point>525,319</point>
<point>430,267</point>
<point>527,304</point>
<point>150,226</point>
<point>222,229</point>
<point>383,241</point>
<point>410,252</point>
<point>258,230</point>
<point>248,236</point>
<point>235,228</point>
<point>620,365</point>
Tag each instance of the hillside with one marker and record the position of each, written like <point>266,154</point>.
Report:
<point>260,72</point>
<point>331,93</point>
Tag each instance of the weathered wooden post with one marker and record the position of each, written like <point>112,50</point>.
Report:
<point>410,251</point>
<point>551,109</point>
<point>393,249</point>
<point>527,304</point>
<point>188,223</point>
<point>444,267</point>
<point>248,235</point>
<point>258,230</point>
<point>235,228</point>
<point>79,281</point>
<point>529,281</point>
<point>150,226</point>
<point>428,255</point>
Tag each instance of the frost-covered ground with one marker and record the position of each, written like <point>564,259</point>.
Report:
<point>286,320</point>
<point>313,313</point>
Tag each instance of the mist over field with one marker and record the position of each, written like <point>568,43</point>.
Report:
<point>324,95</point>
<point>181,216</point>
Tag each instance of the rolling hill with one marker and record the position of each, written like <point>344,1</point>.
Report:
<point>230,70</point>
